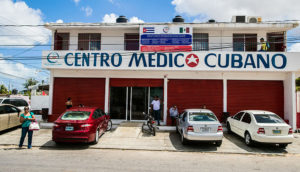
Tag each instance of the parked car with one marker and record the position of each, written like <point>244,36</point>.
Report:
<point>260,126</point>
<point>199,125</point>
<point>80,124</point>
<point>18,102</point>
<point>9,116</point>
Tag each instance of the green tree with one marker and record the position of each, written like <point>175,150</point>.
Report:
<point>29,82</point>
<point>3,89</point>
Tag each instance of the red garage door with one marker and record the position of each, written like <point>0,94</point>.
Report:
<point>255,95</point>
<point>194,94</point>
<point>86,91</point>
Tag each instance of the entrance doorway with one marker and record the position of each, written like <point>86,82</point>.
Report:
<point>129,103</point>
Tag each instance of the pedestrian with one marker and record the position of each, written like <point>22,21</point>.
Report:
<point>173,113</point>
<point>203,106</point>
<point>26,118</point>
<point>264,45</point>
<point>69,103</point>
<point>155,106</point>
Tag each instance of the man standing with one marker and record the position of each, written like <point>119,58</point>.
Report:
<point>264,45</point>
<point>173,113</point>
<point>155,105</point>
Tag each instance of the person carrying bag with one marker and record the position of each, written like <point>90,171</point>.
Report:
<point>26,119</point>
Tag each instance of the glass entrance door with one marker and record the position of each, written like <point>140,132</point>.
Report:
<point>129,103</point>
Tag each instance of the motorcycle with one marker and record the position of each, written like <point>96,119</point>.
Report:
<point>150,123</point>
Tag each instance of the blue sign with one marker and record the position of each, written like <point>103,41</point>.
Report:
<point>166,39</point>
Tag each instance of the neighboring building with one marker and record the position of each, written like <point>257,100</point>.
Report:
<point>121,66</point>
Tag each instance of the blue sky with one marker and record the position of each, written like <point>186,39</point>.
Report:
<point>41,11</point>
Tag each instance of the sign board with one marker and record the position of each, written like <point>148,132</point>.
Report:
<point>165,38</point>
<point>188,61</point>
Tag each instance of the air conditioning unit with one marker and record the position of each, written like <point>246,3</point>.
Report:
<point>253,19</point>
<point>238,19</point>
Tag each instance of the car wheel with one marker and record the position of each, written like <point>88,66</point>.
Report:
<point>183,140</point>
<point>219,143</point>
<point>96,137</point>
<point>283,146</point>
<point>229,128</point>
<point>109,125</point>
<point>248,140</point>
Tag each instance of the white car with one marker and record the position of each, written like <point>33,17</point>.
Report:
<point>18,102</point>
<point>260,126</point>
<point>199,125</point>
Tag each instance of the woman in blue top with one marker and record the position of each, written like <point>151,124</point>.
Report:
<point>26,119</point>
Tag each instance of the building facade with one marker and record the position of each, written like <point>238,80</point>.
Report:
<point>120,67</point>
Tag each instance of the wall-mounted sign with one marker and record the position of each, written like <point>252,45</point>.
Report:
<point>165,38</point>
<point>189,61</point>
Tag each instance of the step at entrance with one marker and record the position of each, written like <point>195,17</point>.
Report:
<point>128,130</point>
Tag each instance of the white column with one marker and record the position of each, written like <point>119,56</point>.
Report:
<point>106,94</point>
<point>224,95</point>
<point>290,99</point>
<point>165,100</point>
<point>51,84</point>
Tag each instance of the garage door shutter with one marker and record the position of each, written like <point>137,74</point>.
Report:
<point>86,91</point>
<point>255,95</point>
<point>194,94</point>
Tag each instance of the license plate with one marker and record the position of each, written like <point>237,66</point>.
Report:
<point>69,128</point>
<point>205,129</point>
<point>276,131</point>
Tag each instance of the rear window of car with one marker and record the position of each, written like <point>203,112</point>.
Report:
<point>268,118</point>
<point>202,116</point>
<point>76,115</point>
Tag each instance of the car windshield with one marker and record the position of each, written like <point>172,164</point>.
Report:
<point>76,115</point>
<point>267,118</point>
<point>202,116</point>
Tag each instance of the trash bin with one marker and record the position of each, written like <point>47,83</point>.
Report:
<point>45,113</point>
<point>225,115</point>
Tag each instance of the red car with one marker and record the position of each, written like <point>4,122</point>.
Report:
<point>81,124</point>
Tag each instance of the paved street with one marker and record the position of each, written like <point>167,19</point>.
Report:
<point>75,159</point>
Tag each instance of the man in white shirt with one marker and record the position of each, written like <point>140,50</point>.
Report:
<point>173,113</point>
<point>155,105</point>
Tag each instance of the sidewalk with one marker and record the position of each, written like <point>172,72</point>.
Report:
<point>130,137</point>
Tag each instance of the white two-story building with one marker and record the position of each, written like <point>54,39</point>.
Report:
<point>121,66</point>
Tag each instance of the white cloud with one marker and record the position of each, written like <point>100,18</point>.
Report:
<point>18,13</point>
<point>76,1</point>
<point>109,18</point>
<point>59,21</point>
<point>88,10</point>
<point>294,48</point>
<point>135,20</point>
<point>223,10</point>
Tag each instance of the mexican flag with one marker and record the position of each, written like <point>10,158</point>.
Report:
<point>184,30</point>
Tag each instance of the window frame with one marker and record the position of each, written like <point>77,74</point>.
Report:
<point>89,42</point>
<point>240,42</point>
<point>203,39</point>
<point>136,43</point>
<point>59,44</point>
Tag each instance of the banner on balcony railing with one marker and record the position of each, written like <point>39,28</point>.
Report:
<point>165,38</point>
<point>191,61</point>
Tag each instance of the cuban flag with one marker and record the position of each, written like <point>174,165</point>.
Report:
<point>148,30</point>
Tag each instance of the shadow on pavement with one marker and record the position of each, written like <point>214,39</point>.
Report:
<point>194,146</point>
<point>51,145</point>
<point>256,148</point>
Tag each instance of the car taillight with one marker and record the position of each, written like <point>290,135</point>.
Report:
<point>190,129</point>
<point>290,131</point>
<point>55,125</point>
<point>220,128</point>
<point>152,122</point>
<point>261,131</point>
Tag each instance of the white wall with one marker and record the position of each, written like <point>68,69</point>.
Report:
<point>290,99</point>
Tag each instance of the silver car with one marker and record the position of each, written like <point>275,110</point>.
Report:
<point>199,125</point>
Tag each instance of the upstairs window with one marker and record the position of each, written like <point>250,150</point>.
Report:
<point>244,42</point>
<point>61,41</point>
<point>132,41</point>
<point>89,41</point>
<point>200,42</point>
<point>276,41</point>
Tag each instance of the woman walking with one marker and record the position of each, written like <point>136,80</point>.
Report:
<point>26,118</point>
